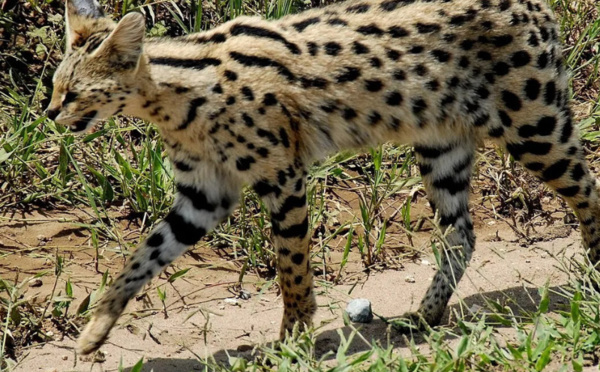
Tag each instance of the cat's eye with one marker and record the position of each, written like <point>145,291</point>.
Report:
<point>69,97</point>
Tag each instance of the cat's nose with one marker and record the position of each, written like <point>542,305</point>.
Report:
<point>52,114</point>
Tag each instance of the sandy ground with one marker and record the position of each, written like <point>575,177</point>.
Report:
<point>199,321</point>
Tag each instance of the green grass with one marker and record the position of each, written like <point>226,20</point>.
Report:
<point>123,166</point>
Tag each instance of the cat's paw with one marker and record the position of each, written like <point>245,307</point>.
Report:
<point>95,333</point>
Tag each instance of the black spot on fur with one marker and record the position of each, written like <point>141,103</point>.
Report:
<point>390,5</point>
<point>484,56</point>
<point>394,98</point>
<point>511,100</point>
<point>375,62</point>
<point>192,113</point>
<point>349,113</point>
<point>501,68</point>
<point>532,89</point>
<point>298,258</point>
<point>567,130</point>
<point>418,106</point>
<point>397,32</point>
<point>256,61</point>
<point>240,29</point>
<point>348,74</point>
<point>269,99</point>
<point>244,163</point>
<point>155,254</point>
<point>314,82</point>
<point>399,75</point>
<point>302,25</point>
<point>373,85</point>
<point>556,170</point>
<point>467,44</point>
<point>295,231</point>
<point>536,148</point>
<point>264,188</point>
<point>290,203</point>
<point>427,28</point>
<point>505,119</point>
<point>433,85</point>
<point>421,70</point>
<point>496,132</point>
<point>502,40</point>
<point>248,120</point>
<point>155,240</point>
<point>197,197</point>
<point>520,59</point>
<point>182,166</point>
<point>332,48</point>
<point>577,172</point>
<point>230,75</point>
<point>358,8</point>
<point>535,166</point>
<point>374,118</point>
<point>337,22</point>
<point>416,49</point>
<point>359,48</point>
<point>441,55</point>
<point>186,233</point>
<point>546,125</point>
<point>195,64</point>
<point>550,93</point>
<point>569,191</point>
<point>370,29</point>
<point>543,60</point>
<point>392,54</point>
<point>248,94</point>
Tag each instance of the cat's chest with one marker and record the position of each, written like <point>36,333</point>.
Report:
<point>187,144</point>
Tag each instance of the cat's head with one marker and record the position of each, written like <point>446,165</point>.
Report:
<point>101,64</point>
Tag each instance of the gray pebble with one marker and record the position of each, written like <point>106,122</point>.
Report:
<point>359,310</point>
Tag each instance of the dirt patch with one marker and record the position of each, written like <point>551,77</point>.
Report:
<point>203,317</point>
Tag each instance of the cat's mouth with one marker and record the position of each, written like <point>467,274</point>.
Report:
<point>84,122</point>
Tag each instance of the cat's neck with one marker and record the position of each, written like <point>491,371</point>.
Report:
<point>162,96</point>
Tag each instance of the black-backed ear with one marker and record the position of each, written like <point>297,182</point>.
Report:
<point>125,43</point>
<point>83,18</point>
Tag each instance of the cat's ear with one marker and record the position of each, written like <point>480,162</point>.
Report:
<point>124,45</point>
<point>83,18</point>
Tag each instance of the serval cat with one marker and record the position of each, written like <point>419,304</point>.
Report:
<point>255,102</point>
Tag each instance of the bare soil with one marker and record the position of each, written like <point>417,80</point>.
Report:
<point>509,265</point>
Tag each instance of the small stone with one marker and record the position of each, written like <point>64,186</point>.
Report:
<point>475,309</point>
<point>359,310</point>
<point>34,283</point>
<point>425,263</point>
<point>527,261</point>
<point>232,301</point>
<point>65,357</point>
<point>245,295</point>
<point>99,357</point>
<point>410,279</point>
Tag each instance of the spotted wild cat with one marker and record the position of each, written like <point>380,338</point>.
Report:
<point>255,102</point>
